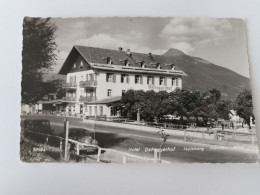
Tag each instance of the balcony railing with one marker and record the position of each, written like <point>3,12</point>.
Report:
<point>69,99</point>
<point>69,85</point>
<point>87,99</point>
<point>91,83</point>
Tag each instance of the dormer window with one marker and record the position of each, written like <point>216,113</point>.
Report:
<point>171,65</point>
<point>143,64</point>
<point>109,61</point>
<point>126,62</point>
<point>158,65</point>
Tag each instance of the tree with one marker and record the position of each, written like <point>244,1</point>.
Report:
<point>39,54</point>
<point>244,106</point>
<point>183,102</point>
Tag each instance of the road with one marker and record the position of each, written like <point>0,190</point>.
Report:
<point>142,142</point>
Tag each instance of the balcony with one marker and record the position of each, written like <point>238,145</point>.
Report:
<point>69,85</point>
<point>69,99</point>
<point>88,84</point>
<point>87,99</point>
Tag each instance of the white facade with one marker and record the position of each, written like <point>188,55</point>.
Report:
<point>106,88</point>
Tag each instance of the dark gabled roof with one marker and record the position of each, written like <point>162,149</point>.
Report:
<point>99,56</point>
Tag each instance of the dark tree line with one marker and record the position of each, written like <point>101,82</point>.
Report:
<point>181,102</point>
<point>154,106</point>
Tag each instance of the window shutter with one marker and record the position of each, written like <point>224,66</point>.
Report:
<point>114,78</point>
<point>153,80</point>
<point>141,80</point>
<point>75,79</point>
<point>127,79</point>
<point>107,77</point>
<point>165,81</point>
<point>86,77</point>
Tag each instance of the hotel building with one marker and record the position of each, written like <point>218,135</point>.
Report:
<point>96,77</point>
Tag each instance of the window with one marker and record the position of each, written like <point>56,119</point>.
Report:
<point>138,79</point>
<point>109,92</point>
<point>162,81</point>
<point>86,77</point>
<point>124,78</point>
<point>123,92</point>
<point>101,110</point>
<point>150,80</point>
<point>91,77</point>
<point>95,110</point>
<point>72,79</point>
<point>177,82</point>
<point>111,77</point>
<point>173,81</point>
<point>90,110</point>
<point>81,64</point>
<point>113,112</point>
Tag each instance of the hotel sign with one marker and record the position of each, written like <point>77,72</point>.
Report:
<point>160,88</point>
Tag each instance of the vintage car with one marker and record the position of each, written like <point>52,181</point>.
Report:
<point>84,136</point>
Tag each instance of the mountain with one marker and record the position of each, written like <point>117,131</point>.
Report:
<point>174,53</point>
<point>204,75</point>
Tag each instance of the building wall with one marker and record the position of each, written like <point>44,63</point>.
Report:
<point>117,87</point>
<point>80,76</point>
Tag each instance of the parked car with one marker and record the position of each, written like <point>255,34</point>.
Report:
<point>33,128</point>
<point>84,136</point>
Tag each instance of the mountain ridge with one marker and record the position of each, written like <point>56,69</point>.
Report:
<point>204,75</point>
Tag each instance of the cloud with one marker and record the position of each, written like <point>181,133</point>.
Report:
<point>110,42</point>
<point>187,34</point>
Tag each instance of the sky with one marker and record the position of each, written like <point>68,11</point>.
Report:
<point>221,41</point>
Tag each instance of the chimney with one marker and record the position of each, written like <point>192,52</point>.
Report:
<point>120,49</point>
<point>150,55</point>
<point>128,52</point>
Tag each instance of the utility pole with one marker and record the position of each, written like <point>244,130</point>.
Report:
<point>66,141</point>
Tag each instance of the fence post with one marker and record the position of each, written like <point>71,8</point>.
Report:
<point>155,155</point>
<point>77,148</point>
<point>45,143</point>
<point>159,154</point>
<point>61,151</point>
<point>124,159</point>
<point>66,142</point>
<point>99,153</point>
<point>60,144</point>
